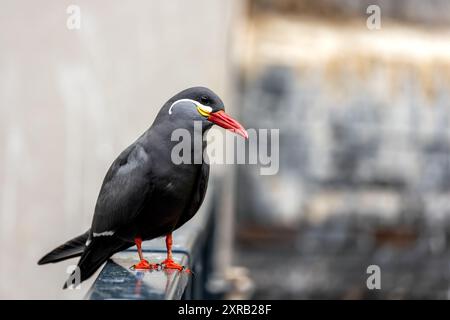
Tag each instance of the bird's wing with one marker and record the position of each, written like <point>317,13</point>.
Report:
<point>124,191</point>
<point>198,195</point>
<point>201,187</point>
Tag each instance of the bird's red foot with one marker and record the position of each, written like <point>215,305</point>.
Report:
<point>170,264</point>
<point>144,265</point>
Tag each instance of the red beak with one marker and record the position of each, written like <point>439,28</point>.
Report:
<point>225,121</point>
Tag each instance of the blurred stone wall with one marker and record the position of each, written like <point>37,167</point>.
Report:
<point>71,100</point>
<point>430,13</point>
<point>364,119</point>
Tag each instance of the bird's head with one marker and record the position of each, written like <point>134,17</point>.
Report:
<point>200,103</point>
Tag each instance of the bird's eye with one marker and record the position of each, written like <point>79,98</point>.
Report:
<point>204,99</point>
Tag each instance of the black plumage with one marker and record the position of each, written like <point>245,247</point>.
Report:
<point>145,194</point>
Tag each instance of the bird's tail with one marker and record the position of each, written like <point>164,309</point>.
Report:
<point>70,249</point>
<point>98,251</point>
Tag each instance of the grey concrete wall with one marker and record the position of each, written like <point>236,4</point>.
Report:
<point>71,100</point>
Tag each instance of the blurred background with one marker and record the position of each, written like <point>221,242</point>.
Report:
<point>364,120</point>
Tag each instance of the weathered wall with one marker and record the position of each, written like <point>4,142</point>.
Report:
<point>364,118</point>
<point>71,100</point>
<point>431,13</point>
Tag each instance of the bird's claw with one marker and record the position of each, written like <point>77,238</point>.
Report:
<point>144,265</point>
<point>165,265</point>
<point>170,264</point>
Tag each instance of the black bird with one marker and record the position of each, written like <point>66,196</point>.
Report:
<point>145,194</point>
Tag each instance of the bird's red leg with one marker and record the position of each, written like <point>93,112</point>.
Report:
<point>143,264</point>
<point>169,263</point>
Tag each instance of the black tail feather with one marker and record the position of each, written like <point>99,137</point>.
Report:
<point>70,249</point>
<point>98,251</point>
